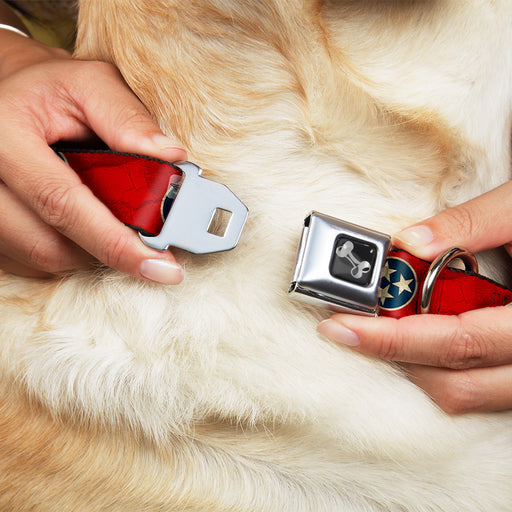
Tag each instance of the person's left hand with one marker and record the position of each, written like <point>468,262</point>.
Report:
<point>50,222</point>
<point>463,362</point>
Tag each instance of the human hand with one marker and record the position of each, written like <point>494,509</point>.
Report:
<point>463,362</point>
<point>49,221</point>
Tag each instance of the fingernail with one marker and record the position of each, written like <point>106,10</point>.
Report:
<point>161,271</point>
<point>338,333</point>
<point>416,236</point>
<point>164,143</point>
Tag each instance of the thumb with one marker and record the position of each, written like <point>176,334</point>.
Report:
<point>479,224</point>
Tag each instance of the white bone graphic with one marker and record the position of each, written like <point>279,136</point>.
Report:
<point>358,267</point>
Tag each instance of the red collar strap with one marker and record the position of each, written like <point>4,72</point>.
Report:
<point>408,281</point>
<point>137,190</point>
<point>351,269</point>
<point>140,192</point>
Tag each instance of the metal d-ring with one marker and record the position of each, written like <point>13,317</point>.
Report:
<point>438,265</point>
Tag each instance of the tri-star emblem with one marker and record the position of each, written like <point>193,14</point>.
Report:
<point>398,284</point>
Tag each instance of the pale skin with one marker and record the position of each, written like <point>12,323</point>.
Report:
<point>463,362</point>
<point>49,222</point>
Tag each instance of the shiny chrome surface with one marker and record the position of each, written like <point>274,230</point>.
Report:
<point>188,222</point>
<point>437,266</point>
<point>313,281</point>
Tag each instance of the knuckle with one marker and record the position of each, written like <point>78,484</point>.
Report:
<point>98,69</point>
<point>54,204</point>
<point>128,121</point>
<point>44,257</point>
<point>116,249</point>
<point>465,348</point>
<point>460,394</point>
<point>79,82</point>
<point>134,116</point>
<point>386,349</point>
<point>389,346</point>
<point>461,220</point>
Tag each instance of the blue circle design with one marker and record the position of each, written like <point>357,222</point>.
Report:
<point>61,156</point>
<point>398,284</point>
<point>168,199</point>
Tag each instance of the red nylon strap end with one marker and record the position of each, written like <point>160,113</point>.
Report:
<point>133,187</point>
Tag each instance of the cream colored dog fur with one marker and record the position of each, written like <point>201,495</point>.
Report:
<point>217,394</point>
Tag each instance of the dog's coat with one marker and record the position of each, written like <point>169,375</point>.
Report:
<point>218,394</point>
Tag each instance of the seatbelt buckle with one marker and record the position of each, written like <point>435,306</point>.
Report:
<point>188,224</point>
<point>339,265</point>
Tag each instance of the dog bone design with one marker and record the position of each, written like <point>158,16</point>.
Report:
<point>358,267</point>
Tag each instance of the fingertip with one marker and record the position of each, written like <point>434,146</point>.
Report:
<point>370,335</point>
<point>418,240</point>
<point>476,225</point>
<point>415,236</point>
<point>155,145</point>
<point>168,148</point>
<point>145,138</point>
<point>121,120</point>
<point>161,271</point>
<point>337,332</point>
<point>143,262</point>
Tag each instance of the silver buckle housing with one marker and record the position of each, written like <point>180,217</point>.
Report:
<point>189,219</point>
<point>339,265</point>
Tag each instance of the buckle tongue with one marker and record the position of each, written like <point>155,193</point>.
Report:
<point>187,225</point>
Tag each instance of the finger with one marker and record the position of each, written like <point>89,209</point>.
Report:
<point>56,194</point>
<point>463,391</point>
<point>17,268</point>
<point>27,242</point>
<point>59,101</point>
<point>51,189</point>
<point>476,225</point>
<point>474,339</point>
<point>118,117</point>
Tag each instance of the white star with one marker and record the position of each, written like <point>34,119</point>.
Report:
<point>403,284</point>
<point>386,272</point>
<point>384,294</point>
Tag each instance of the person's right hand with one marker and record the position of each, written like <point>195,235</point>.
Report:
<point>463,362</point>
<point>49,221</point>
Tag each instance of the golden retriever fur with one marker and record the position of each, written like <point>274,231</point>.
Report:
<point>217,394</point>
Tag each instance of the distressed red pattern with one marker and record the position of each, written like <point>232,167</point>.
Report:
<point>455,291</point>
<point>131,186</point>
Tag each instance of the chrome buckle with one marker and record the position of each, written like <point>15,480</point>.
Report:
<point>339,265</point>
<point>187,225</point>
